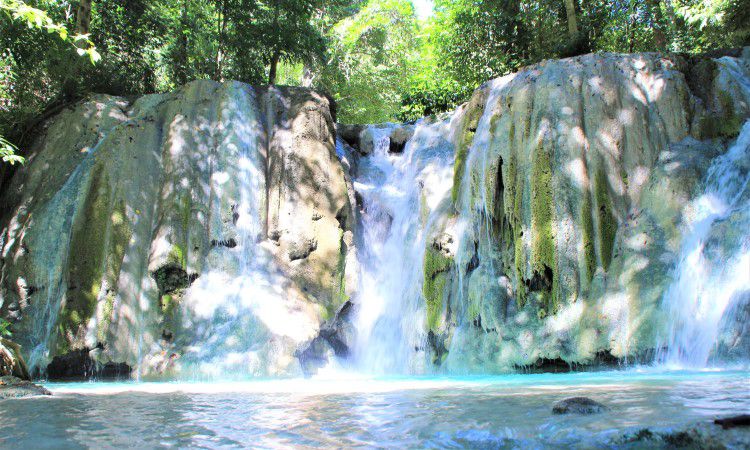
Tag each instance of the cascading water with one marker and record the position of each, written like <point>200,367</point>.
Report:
<point>709,278</point>
<point>233,307</point>
<point>44,314</point>
<point>402,194</point>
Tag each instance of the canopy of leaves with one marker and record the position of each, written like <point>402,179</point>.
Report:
<point>376,59</point>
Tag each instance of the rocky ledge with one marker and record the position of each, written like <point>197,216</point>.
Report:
<point>14,387</point>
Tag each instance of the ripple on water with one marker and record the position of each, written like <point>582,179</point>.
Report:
<point>512,411</point>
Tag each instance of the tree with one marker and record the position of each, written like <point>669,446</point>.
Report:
<point>371,60</point>
<point>570,11</point>
<point>35,18</point>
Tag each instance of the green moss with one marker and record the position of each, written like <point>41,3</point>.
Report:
<point>514,215</point>
<point>177,256</point>
<point>462,152</point>
<point>167,303</point>
<point>587,224</point>
<point>107,315</point>
<point>543,252</point>
<point>120,233</point>
<point>86,259</point>
<point>463,144</point>
<point>436,268</point>
<point>607,220</point>
<point>338,296</point>
<point>727,124</point>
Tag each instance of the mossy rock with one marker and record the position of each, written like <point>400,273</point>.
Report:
<point>170,278</point>
<point>436,274</point>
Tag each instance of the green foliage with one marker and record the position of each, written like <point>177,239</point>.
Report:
<point>375,58</point>
<point>8,152</point>
<point>5,328</point>
<point>371,59</point>
<point>421,100</point>
<point>37,18</point>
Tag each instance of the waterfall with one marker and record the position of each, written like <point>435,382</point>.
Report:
<point>402,194</point>
<point>708,280</point>
<point>58,215</point>
<point>232,307</point>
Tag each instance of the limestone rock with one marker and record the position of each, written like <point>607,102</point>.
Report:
<point>350,134</point>
<point>578,405</point>
<point>131,226</point>
<point>571,183</point>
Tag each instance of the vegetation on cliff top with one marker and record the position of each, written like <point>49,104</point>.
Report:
<point>375,57</point>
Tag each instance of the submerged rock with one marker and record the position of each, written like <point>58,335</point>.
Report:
<point>698,436</point>
<point>14,387</point>
<point>578,405</point>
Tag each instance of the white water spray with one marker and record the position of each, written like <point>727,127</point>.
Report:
<point>707,282</point>
<point>402,195</point>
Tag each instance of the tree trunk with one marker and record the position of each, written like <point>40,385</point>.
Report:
<point>276,52</point>
<point>660,39</point>
<point>182,51</point>
<point>272,69</point>
<point>70,87</point>
<point>307,76</point>
<point>83,16</point>
<point>221,30</point>
<point>570,11</point>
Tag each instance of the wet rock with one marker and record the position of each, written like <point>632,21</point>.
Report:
<point>578,405</point>
<point>171,277</point>
<point>78,365</point>
<point>743,420</point>
<point>399,137</point>
<point>349,133</point>
<point>74,365</point>
<point>302,248</point>
<point>316,355</point>
<point>148,211</point>
<point>334,339</point>
<point>14,387</point>
<point>697,436</point>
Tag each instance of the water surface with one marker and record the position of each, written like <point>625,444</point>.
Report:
<point>512,411</point>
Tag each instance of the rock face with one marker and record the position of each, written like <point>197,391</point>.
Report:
<point>578,405</point>
<point>204,225</point>
<point>571,184</point>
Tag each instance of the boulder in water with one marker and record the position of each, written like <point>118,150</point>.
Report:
<point>399,137</point>
<point>14,387</point>
<point>743,420</point>
<point>578,405</point>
